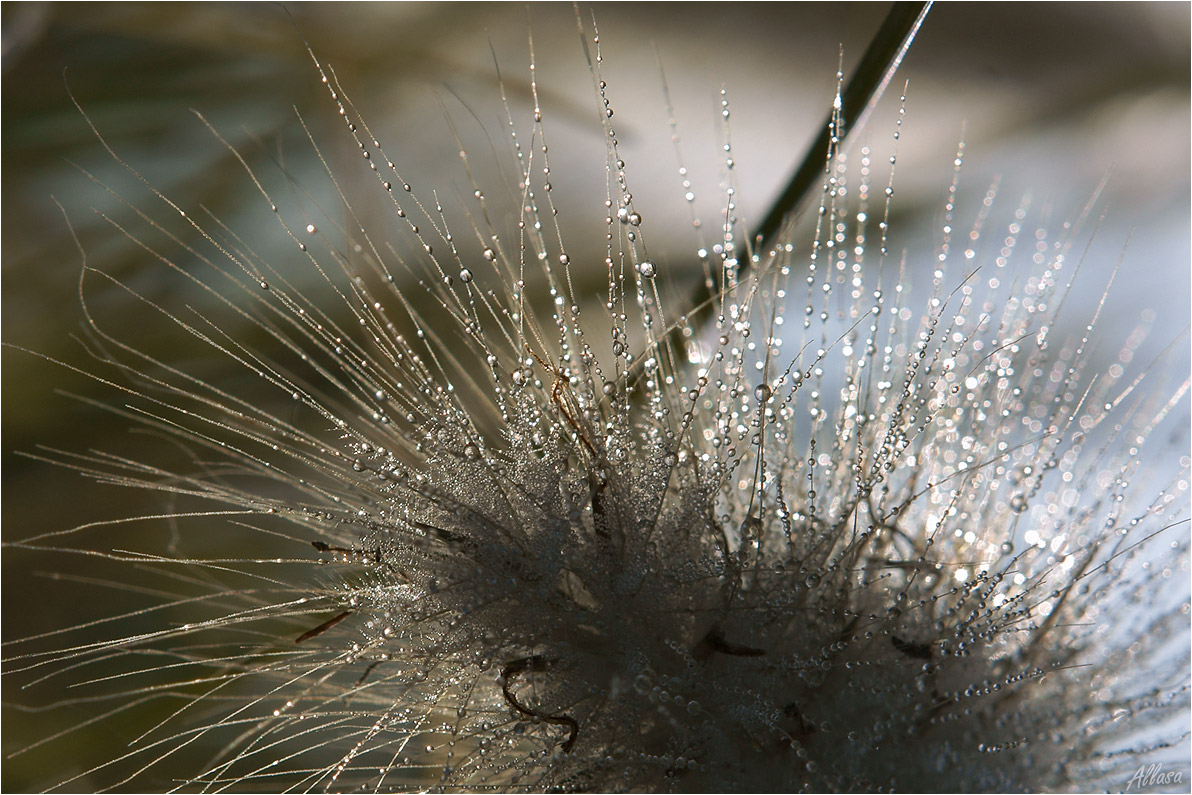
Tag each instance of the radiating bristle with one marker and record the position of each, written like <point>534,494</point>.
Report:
<point>881,522</point>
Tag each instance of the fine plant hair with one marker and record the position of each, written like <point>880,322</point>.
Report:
<point>425,516</point>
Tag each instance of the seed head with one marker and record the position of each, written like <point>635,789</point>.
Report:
<point>872,525</point>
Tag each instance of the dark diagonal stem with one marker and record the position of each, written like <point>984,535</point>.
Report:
<point>877,67</point>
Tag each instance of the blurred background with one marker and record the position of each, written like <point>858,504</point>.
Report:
<point>1050,98</point>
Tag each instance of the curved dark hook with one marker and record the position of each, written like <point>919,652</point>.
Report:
<point>538,664</point>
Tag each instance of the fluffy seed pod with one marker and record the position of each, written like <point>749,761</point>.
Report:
<point>867,526</point>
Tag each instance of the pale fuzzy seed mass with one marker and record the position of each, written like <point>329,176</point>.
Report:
<point>861,530</point>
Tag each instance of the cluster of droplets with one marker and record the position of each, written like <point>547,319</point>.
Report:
<point>871,550</point>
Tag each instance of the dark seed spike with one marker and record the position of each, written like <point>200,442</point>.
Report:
<point>321,628</point>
